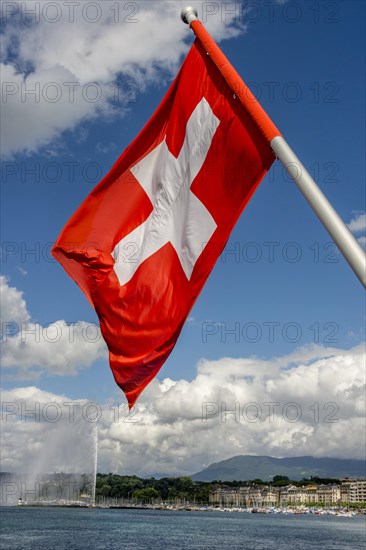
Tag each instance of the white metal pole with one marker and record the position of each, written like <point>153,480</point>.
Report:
<point>342,236</point>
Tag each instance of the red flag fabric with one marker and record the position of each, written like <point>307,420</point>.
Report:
<point>143,243</point>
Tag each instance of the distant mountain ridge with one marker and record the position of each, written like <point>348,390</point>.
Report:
<point>246,467</point>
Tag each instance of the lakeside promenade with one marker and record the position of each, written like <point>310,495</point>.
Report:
<point>285,510</point>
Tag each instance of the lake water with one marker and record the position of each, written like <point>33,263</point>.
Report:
<point>104,529</point>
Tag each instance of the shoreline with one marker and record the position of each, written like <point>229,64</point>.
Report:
<point>273,510</point>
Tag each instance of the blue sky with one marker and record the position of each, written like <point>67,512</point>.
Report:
<point>304,61</point>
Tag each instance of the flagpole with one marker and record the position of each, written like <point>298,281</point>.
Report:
<point>341,235</point>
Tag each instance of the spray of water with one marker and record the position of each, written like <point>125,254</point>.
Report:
<point>58,465</point>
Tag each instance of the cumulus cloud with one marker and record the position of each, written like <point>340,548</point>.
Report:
<point>13,305</point>
<point>60,348</point>
<point>31,120</point>
<point>358,225</point>
<point>311,402</point>
<point>31,349</point>
<point>63,64</point>
<point>362,241</point>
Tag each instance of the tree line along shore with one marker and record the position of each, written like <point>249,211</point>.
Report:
<point>183,490</point>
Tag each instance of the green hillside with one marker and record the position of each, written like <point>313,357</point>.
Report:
<point>244,467</point>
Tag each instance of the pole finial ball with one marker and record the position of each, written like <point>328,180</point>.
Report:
<point>186,14</point>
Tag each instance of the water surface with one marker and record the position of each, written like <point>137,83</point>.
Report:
<point>104,529</point>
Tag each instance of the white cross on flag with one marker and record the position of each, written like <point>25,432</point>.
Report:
<point>143,243</point>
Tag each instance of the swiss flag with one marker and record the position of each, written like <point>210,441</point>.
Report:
<point>143,243</point>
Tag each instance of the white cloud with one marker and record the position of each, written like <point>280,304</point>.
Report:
<point>327,386</point>
<point>59,348</point>
<point>311,402</point>
<point>30,121</point>
<point>362,241</point>
<point>13,306</point>
<point>358,223</point>
<point>61,60</point>
<point>31,349</point>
